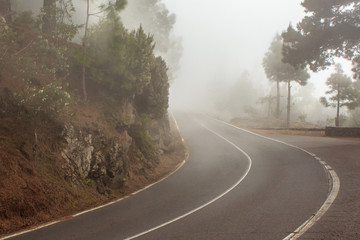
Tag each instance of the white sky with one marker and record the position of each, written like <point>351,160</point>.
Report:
<point>221,39</point>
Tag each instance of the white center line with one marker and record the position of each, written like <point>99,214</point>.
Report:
<point>210,202</point>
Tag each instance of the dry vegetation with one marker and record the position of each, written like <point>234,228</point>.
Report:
<point>33,189</point>
<point>276,126</point>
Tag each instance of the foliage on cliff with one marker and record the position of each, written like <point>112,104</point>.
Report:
<point>122,64</point>
<point>68,154</point>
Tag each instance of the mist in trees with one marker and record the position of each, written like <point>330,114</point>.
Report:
<point>326,33</point>
<point>277,71</point>
<point>272,64</point>
<point>152,16</point>
<point>238,97</point>
<point>121,63</point>
<point>330,30</point>
<point>341,92</point>
<point>5,9</point>
<point>155,18</point>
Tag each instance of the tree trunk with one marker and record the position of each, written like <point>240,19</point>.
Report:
<point>85,51</point>
<point>5,9</point>
<point>337,119</point>
<point>49,19</point>
<point>288,104</point>
<point>277,99</point>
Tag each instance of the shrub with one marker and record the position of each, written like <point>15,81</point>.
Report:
<point>142,137</point>
<point>50,99</point>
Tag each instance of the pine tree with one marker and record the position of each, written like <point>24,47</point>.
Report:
<point>342,92</point>
<point>278,71</point>
<point>5,9</point>
<point>49,18</point>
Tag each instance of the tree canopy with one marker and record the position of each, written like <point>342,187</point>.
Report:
<point>5,9</point>
<point>278,71</point>
<point>120,61</point>
<point>121,64</point>
<point>156,19</point>
<point>330,29</point>
<point>124,66</point>
<point>341,92</point>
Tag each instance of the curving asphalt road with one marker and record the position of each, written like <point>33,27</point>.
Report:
<point>263,190</point>
<point>342,220</point>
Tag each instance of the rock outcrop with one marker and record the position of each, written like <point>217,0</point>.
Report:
<point>89,154</point>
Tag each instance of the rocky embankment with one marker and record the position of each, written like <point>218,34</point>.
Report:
<point>111,161</point>
<point>75,164</point>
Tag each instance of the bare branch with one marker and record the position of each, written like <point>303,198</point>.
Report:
<point>23,49</point>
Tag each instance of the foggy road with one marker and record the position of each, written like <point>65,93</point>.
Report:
<point>235,185</point>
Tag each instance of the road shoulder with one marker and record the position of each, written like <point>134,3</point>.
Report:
<point>342,220</point>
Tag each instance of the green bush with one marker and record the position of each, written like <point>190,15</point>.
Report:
<point>154,100</point>
<point>120,62</point>
<point>142,137</point>
<point>50,99</point>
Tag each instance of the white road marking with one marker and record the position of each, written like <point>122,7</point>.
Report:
<point>326,205</point>
<point>210,202</point>
<point>333,178</point>
<point>30,230</point>
<point>179,166</point>
<point>334,183</point>
<point>96,208</point>
<point>110,203</point>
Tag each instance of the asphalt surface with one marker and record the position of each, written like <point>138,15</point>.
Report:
<point>283,188</point>
<point>342,220</point>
